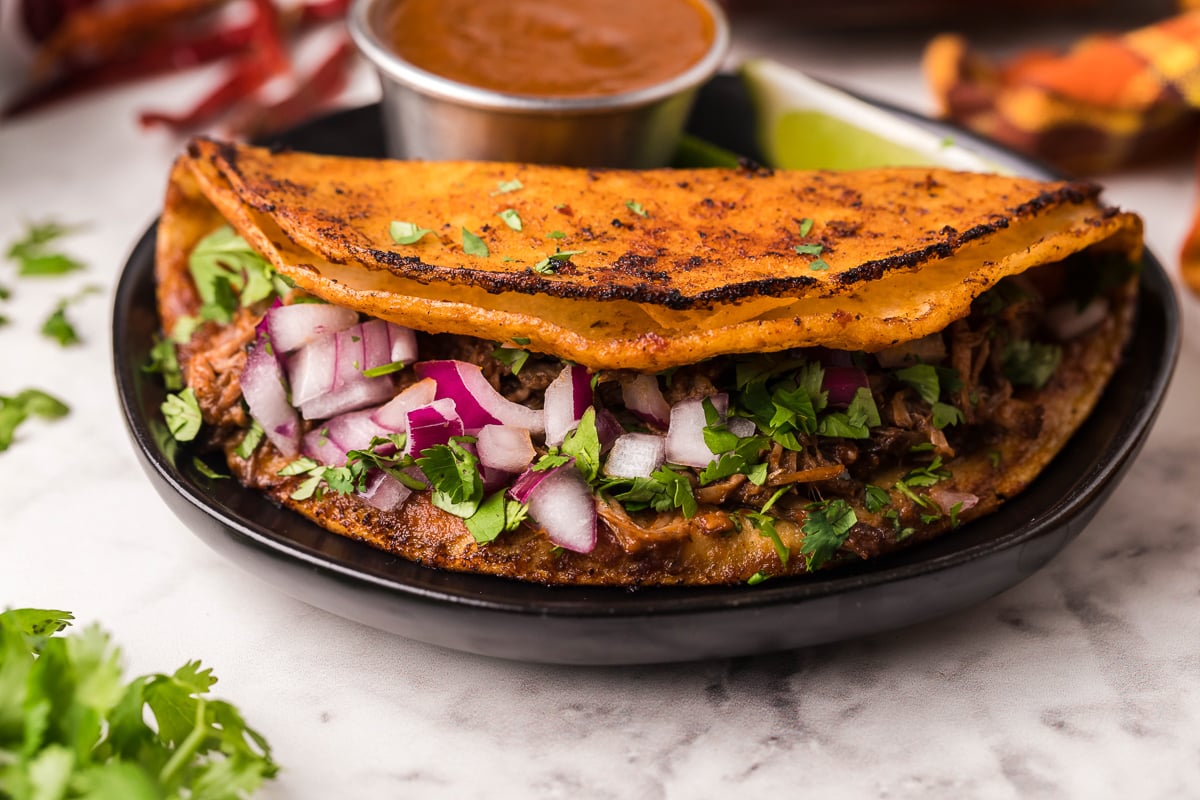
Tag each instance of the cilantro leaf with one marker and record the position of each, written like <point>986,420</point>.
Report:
<point>945,414</point>
<point>228,273</point>
<point>80,725</point>
<point>407,232</point>
<point>383,369</point>
<point>205,470</point>
<point>32,256</point>
<point>511,218</point>
<point>29,402</point>
<point>923,378</point>
<point>550,263</point>
<point>664,490</point>
<point>494,516</point>
<point>583,444</point>
<point>164,360</point>
<point>512,357</point>
<point>826,527</point>
<point>504,187</point>
<point>765,525</point>
<point>250,440</point>
<point>182,413</point>
<point>806,226</point>
<point>636,208</point>
<point>473,245</point>
<point>809,249</point>
<point>453,474</point>
<point>877,499</point>
<point>1027,363</point>
<point>59,328</point>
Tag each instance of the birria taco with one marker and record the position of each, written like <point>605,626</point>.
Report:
<point>634,377</point>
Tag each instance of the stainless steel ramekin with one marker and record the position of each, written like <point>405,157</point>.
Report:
<point>431,117</point>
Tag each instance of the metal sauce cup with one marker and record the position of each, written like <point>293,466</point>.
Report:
<point>430,117</point>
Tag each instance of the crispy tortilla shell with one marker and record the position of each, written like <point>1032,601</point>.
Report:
<point>675,265</point>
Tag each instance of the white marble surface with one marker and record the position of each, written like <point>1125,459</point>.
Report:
<point>1084,681</point>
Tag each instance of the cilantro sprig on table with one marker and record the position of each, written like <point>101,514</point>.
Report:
<point>28,403</point>
<point>72,726</point>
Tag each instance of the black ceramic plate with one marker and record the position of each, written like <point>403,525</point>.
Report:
<point>498,617</point>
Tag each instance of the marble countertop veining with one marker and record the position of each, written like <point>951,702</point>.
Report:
<point>1083,681</point>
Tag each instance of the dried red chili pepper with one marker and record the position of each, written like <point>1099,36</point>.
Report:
<point>314,91</point>
<point>247,75</point>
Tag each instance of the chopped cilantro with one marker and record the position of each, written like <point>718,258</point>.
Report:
<point>583,444</point>
<point>228,273</point>
<point>826,528</point>
<point>856,421</point>
<point>556,235</point>
<point>383,369</point>
<point>636,208</point>
<point>512,357</point>
<point>250,440</point>
<point>923,378</point>
<point>945,414</point>
<point>521,340</point>
<point>551,460</point>
<point>994,458</point>
<point>819,265</point>
<point>20,407</point>
<point>494,516</point>
<point>33,257</point>
<point>164,361</point>
<point>806,226</point>
<point>182,413</point>
<point>58,327</point>
<point>505,187</point>
<point>664,490</point>
<point>1027,363</point>
<point>511,218</point>
<point>453,473</point>
<point>473,245</point>
<point>809,249</point>
<point>765,525</point>
<point>877,499</point>
<point>757,578</point>
<point>548,264</point>
<point>205,470</point>
<point>955,510</point>
<point>407,232</point>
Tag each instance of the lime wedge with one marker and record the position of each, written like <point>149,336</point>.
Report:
<point>805,124</point>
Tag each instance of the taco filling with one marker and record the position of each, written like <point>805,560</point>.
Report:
<point>556,454</point>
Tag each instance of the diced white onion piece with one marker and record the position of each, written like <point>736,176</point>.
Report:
<point>351,397</point>
<point>644,398</point>
<point>685,437</point>
<point>1067,320</point>
<point>384,492</point>
<point>350,358</point>
<point>636,455</point>
<point>431,425</point>
<point>741,427</point>
<point>312,368</point>
<point>562,504</point>
<point>493,479</point>
<point>392,415</point>
<point>299,324</point>
<point>477,402</point>
<point>947,499</point>
<point>354,430</point>
<point>403,344</point>
<point>318,444</point>
<point>505,448</point>
<point>566,398</point>
<point>929,349</point>
<point>263,387</point>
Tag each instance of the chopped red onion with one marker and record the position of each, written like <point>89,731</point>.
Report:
<point>1067,320</point>
<point>312,368</point>
<point>505,448</point>
<point>360,394</point>
<point>263,387</point>
<point>608,429</point>
<point>393,415</point>
<point>741,427</point>
<point>842,383</point>
<point>299,324</point>
<point>477,402</point>
<point>377,346</point>
<point>527,481</point>
<point>319,445</point>
<point>403,344</point>
<point>562,504</point>
<point>636,455</point>
<point>354,430</point>
<point>384,492</point>
<point>567,397</point>
<point>431,425</point>
<point>644,398</point>
<point>929,349</point>
<point>493,479</point>
<point>685,437</point>
<point>947,499</point>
